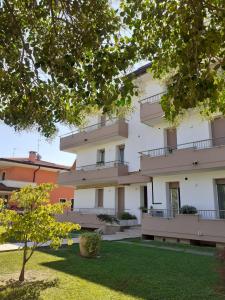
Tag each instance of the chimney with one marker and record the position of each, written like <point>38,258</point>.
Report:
<point>33,156</point>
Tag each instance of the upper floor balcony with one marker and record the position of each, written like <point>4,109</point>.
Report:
<point>103,132</point>
<point>100,174</point>
<point>150,109</point>
<point>198,155</point>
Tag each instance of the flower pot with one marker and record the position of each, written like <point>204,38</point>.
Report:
<point>89,245</point>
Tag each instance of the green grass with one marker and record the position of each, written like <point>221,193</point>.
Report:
<point>173,245</point>
<point>122,272</point>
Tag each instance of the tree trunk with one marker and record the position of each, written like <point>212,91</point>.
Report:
<point>21,278</point>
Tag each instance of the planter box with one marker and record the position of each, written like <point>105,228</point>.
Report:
<point>128,222</point>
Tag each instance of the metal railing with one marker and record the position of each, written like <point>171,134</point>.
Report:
<point>207,214</point>
<point>102,165</point>
<point>90,128</point>
<point>96,210</point>
<point>153,99</point>
<point>197,145</point>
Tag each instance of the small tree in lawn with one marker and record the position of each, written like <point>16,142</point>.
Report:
<point>36,223</point>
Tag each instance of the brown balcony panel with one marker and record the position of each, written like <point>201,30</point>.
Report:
<point>133,178</point>
<point>107,133</point>
<point>93,178</point>
<point>190,227</point>
<point>84,220</point>
<point>151,113</point>
<point>184,160</point>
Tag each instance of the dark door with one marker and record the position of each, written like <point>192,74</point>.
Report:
<point>171,135</point>
<point>145,197</point>
<point>120,197</point>
<point>218,131</point>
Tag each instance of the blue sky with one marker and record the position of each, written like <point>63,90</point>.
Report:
<point>19,144</point>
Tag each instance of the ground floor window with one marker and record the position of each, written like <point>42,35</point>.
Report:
<point>62,200</point>
<point>174,198</point>
<point>99,197</point>
<point>221,198</point>
<point>72,204</point>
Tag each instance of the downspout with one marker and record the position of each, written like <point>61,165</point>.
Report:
<point>35,171</point>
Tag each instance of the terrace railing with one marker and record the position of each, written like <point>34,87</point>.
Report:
<point>102,165</point>
<point>153,99</point>
<point>90,128</point>
<point>196,145</point>
<point>171,213</point>
<point>97,210</point>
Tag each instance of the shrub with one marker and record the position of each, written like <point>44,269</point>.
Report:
<point>127,216</point>
<point>107,218</point>
<point>90,244</point>
<point>188,210</point>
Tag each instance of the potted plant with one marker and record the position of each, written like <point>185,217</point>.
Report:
<point>188,210</point>
<point>127,219</point>
<point>110,224</point>
<point>89,243</point>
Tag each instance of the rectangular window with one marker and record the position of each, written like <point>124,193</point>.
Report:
<point>171,137</point>
<point>62,200</point>
<point>72,204</point>
<point>120,151</point>
<point>99,197</point>
<point>101,156</point>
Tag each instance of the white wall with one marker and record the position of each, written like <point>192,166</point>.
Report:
<point>198,190</point>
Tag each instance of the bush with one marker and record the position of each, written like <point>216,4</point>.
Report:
<point>127,216</point>
<point>90,244</point>
<point>107,218</point>
<point>188,210</point>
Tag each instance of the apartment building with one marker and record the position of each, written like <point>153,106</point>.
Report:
<point>141,162</point>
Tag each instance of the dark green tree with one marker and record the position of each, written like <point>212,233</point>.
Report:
<point>58,59</point>
<point>185,42</point>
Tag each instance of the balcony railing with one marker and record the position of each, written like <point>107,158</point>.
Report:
<point>171,213</point>
<point>97,210</point>
<point>102,165</point>
<point>153,99</point>
<point>197,145</point>
<point>90,128</point>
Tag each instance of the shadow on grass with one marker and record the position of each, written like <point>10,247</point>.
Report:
<point>15,290</point>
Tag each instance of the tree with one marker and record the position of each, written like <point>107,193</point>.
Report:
<point>36,224</point>
<point>58,60</point>
<point>185,42</point>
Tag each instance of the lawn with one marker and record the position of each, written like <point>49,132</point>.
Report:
<point>122,272</point>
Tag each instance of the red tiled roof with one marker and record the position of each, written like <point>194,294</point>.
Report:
<point>38,163</point>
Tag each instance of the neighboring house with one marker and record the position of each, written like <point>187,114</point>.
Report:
<point>125,165</point>
<point>18,172</point>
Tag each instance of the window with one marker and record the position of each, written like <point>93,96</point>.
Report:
<point>171,137</point>
<point>72,204</point>
<point>101,156</point>
<point>62,200</point>
<point>102,120</point>
<point>120,151</point>
<point>99,197</point>
<point>3,176</point>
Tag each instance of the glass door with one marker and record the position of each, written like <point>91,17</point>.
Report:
<point>174,193</point>
<point>221,200</point>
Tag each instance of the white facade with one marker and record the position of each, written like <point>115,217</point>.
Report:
<point>196,188</point>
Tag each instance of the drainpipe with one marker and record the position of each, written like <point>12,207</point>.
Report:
<point>35,171</point>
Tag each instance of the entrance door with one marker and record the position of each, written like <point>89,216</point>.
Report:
<point>221,199</point>
<point>171,135</point>
<point>120,200</point>
<point>218,131</point>
<point>174,198</point>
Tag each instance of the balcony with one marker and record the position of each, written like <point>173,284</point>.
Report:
<point>193,156</point>
<point>206,225</point>
<point>151,111</point>
<point>86,217</point>
<point>110,130</point>
<point>100,174</point>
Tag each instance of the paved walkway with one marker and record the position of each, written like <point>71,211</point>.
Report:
<point>177,249</point>
<point>17,246</point>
